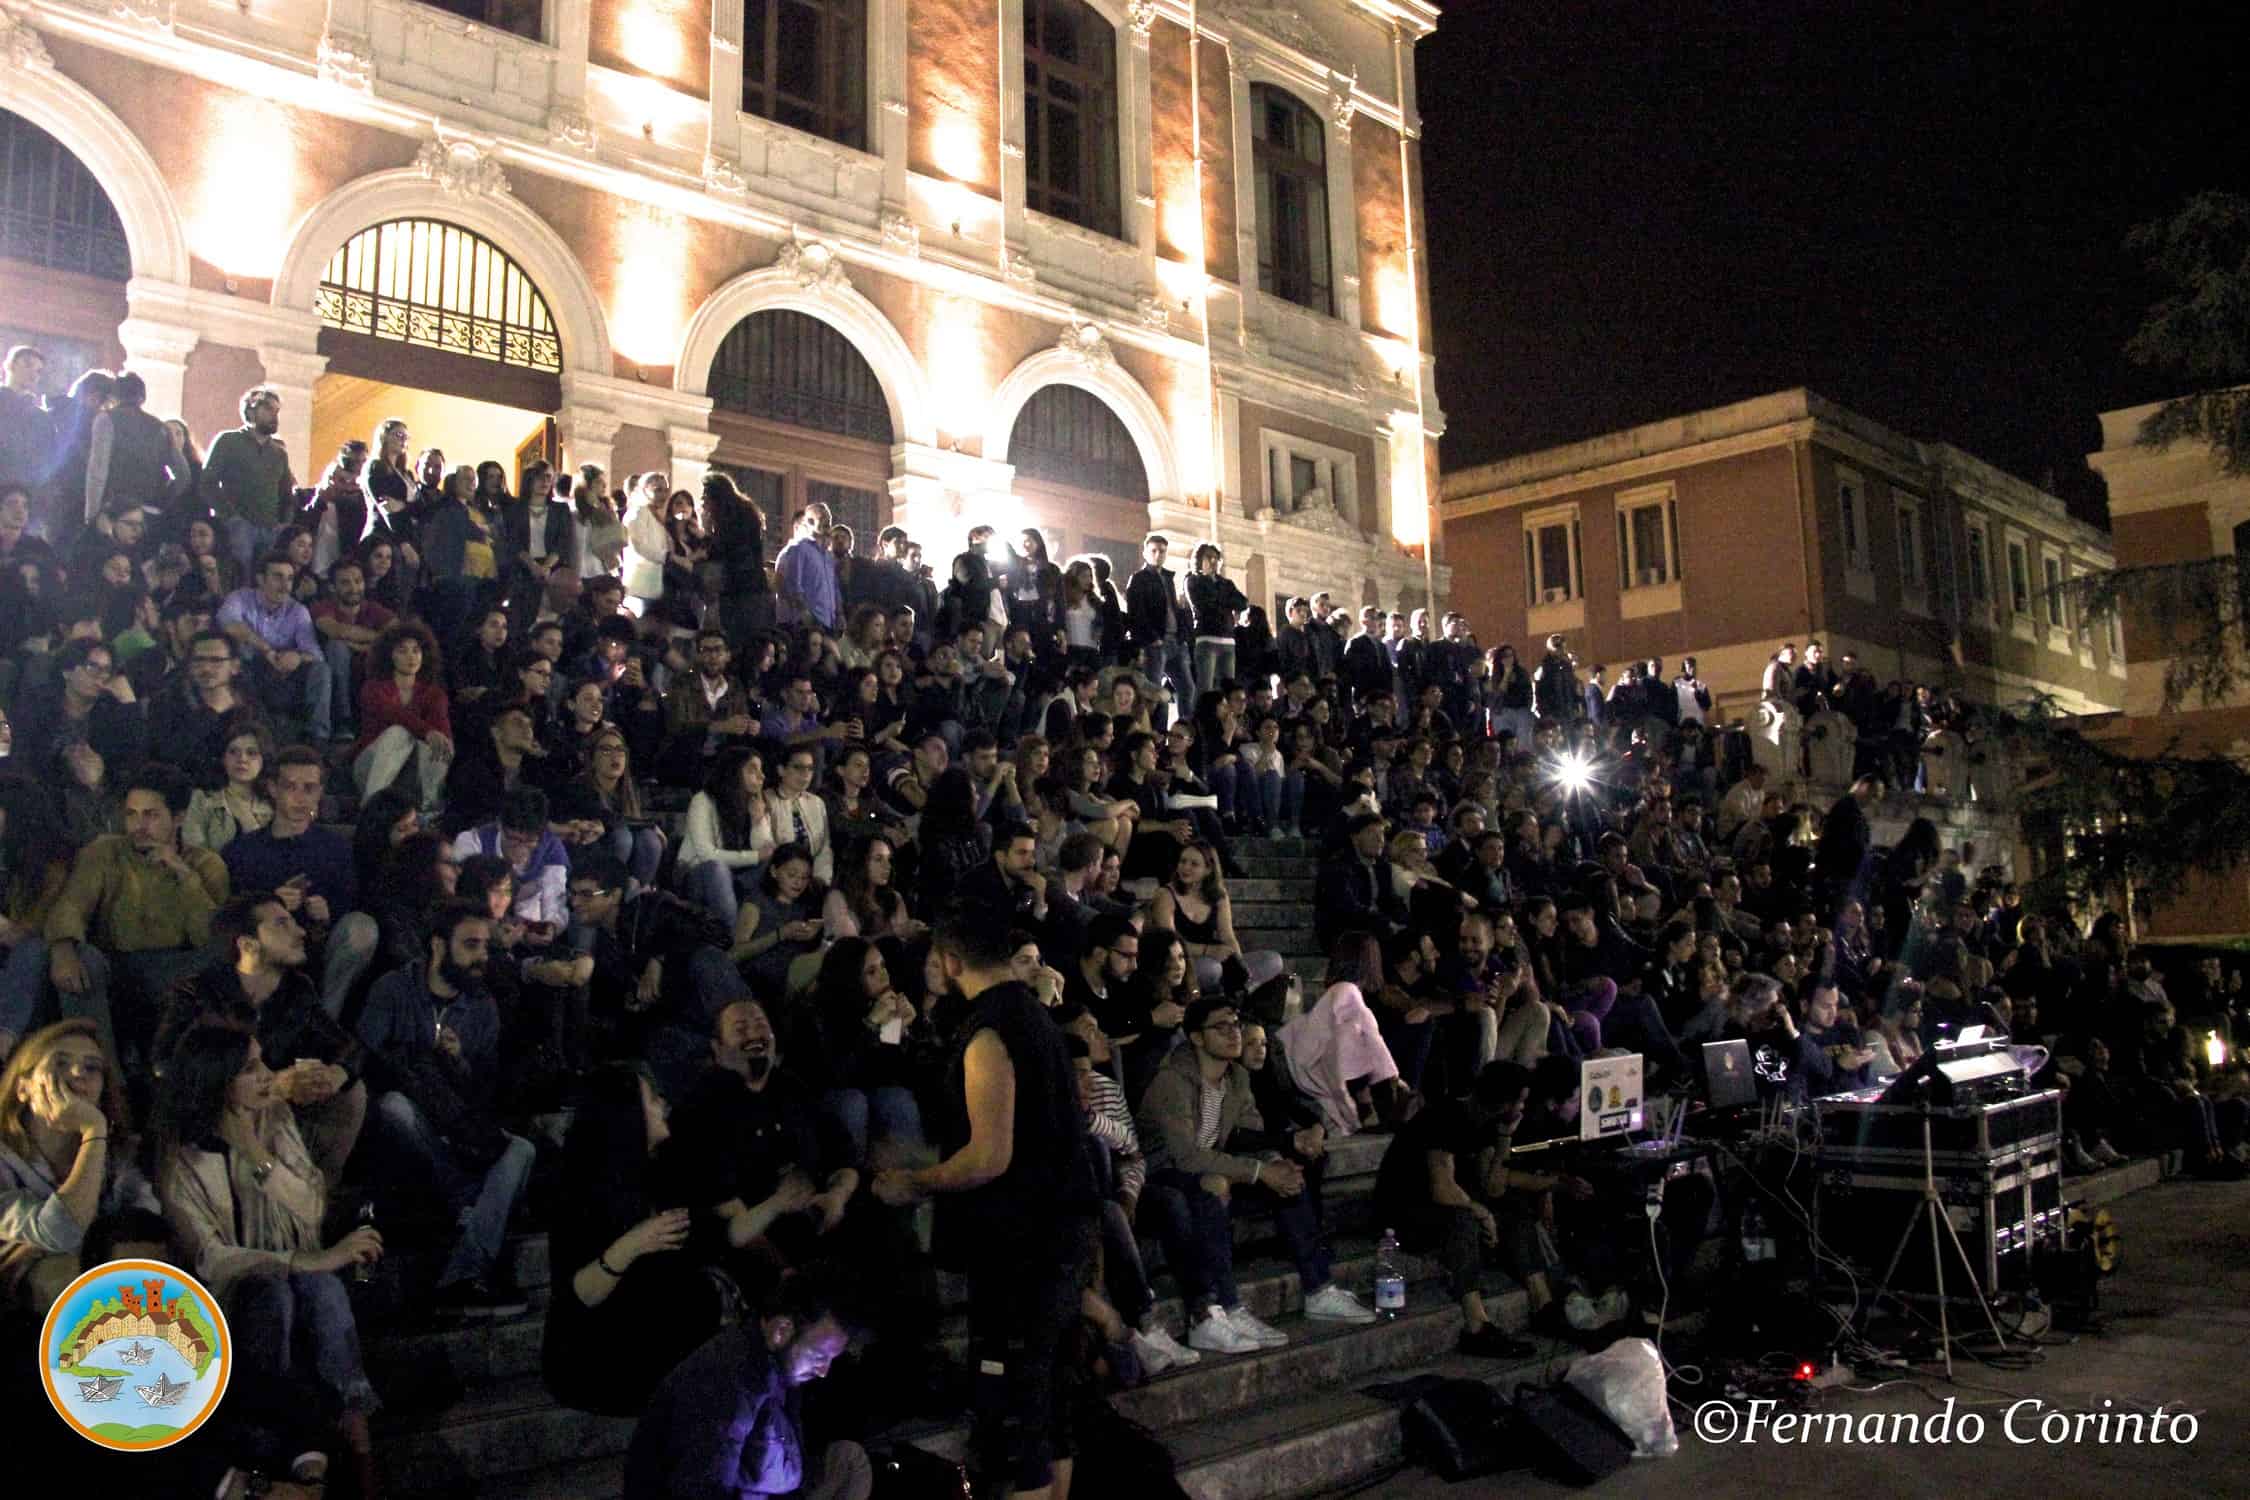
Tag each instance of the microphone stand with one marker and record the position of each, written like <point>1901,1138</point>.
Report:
<point>1934,1207</point>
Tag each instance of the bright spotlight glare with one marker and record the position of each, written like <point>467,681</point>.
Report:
<point>1573,774</point>
<point>2215,1050</point>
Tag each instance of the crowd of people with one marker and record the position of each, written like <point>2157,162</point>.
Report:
<point>816,886</point>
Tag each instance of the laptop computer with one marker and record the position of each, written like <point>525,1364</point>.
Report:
<point>1727,1078</point>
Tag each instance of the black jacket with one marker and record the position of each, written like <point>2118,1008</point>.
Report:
<point>1367,668</point>
<point>1354,897</point>
<point>291,1025</point>
<point>1147,593</point>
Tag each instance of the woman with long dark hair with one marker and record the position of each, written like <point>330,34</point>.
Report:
<point>729,834</point>
<point>780,923</point>
<point>1146,1018</point>
<point>606,788</point>
<point>601,534</point>
<point>541,532</point>
<point>864,903</point>
<point>952,840</point>
<point>852,1049</point>
<point>238,803</point>
<point>1193,903</point>
<point>477,662</point>
<point>630,1300</point>
<point>241,1189</point>
<point>1034,587</point>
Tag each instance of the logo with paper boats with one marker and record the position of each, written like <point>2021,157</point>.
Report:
<point>135,1355</point>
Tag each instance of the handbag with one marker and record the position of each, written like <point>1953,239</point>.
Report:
<point>1567,1437</point>
<point>1458,1431</point>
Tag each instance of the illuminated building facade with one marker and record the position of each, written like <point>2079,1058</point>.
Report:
<point>934,261</point>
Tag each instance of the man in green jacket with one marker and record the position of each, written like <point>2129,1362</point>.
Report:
<point>246,479</point>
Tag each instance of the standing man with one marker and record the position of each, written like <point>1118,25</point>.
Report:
<point>805,574</point>
<point>1155,622</point>
<point>1694,698</point>
<point>1366,664</point>
<point>246,478</point>
<point>1327,637</point>
<point>1018,1210</point>
<point>130,459</point>
<point>27,430</point>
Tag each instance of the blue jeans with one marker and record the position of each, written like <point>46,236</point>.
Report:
<point>483,1203</point>
<point>23,983</point>
<point>246,542</point>
<point>639,850</point>
<point>294,1323</point>
<point>883,1114</point>
<point>1214,662</point>
<point>309,690</point>
<point>125,992</point>
<point>1198,1233</point>
<point>344,712</point>
<point>1173,657</point>
<point>718,889</point>
<point>1285,798</point>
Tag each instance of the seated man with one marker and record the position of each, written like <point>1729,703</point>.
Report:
<point>257,981</point>
<point>135,910</point>
<point>289,671</point>
<point>663,961</point>
<point>704,711</point>
<point>437,1033</point>
<point>541,864</point>
<point>348,623</point>
<point>1199,1125</point>
<point>309,870</point>
<point>499,751</point>
<point>183,617</point>
<point>729,1421</point>
<point>1355,892</point>
<point>1433,1185</point>
<point>1006,886</point>
<point>189,721</point>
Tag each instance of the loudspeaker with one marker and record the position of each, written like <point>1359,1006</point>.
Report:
<point>1567,1437</point>
<point>1457,1431</point>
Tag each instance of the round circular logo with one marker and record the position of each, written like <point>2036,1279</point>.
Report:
<point>135,1355</point>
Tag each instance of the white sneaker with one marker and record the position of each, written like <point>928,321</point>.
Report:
<point>1152,1355</point>
<point>1579,1312</point>
<point>1216,1334</point>
<point>1266,1336</point>
<point>1160,1338</point>
<point>2104,1154</point>
<point>1332,1304</point>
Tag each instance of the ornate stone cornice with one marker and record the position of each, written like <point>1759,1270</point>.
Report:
<point>347,60</point>
<point>462,168</point>
<point>814,265</point>
<point>573,128</point>
<point>1088,344</point>
<point>20,46</point>
<point>901,233</point>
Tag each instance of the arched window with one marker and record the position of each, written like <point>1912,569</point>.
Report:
<point>802,417</point>
<point>1070,436</point>
<point>52,211</point>
<point>438,286</point>
<point>804,65</point>
<point>1289,154</point>
<point>1070,113</point>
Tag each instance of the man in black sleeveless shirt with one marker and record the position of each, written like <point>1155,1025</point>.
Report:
<point>1016,1205</point>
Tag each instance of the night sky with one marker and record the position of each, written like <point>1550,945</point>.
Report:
<point>1647,208</point>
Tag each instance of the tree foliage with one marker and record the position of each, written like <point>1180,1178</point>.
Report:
<point>2199,330</point>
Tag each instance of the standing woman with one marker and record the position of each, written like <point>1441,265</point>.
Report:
<point>691,547</point>
<point>542,534</point>
<point>64,1160</point>
<point>601,533</point>
<point>247,1201</point>
<point>1216,606</point>
<point>1508,699</point>
<point>647,544</point>
<point>460,551</point>
<point>1034,588</point>
<point>1085,630</point>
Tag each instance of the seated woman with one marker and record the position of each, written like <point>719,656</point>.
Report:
<point>864,903</point>
<point>854,810</point>
<point>1143,1017</point>
<point>475,663</point>
<point>1335,1057</point>
<point>405,717</point>
<point>607,791</point>
<point>64,1160</point>
<point>852,1048</point>
<point>729,834</point>
<point>1090,810</point>
<point>780,924</point>
<point>238,804</point>
<point>630,1300</point>
<point>1193,902</point>
<point>241,1190</point>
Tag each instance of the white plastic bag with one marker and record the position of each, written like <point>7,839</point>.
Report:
<point>1626,1380</point>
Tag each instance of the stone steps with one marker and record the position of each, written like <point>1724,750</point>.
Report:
<point>1273,915</point>
<point>1290,889</point>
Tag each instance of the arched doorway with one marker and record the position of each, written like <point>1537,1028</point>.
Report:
<point>1080,476</point>
<point>66,255</point>
<point>801,417</point>
<point>433,323</point>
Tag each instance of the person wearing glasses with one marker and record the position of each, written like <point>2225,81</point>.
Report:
<point>83,722</point>
<point>1207,1147</point>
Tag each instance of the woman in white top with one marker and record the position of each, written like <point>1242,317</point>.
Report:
<point>1082,615</point>
<point>729,834</point>
<point>647,543</point>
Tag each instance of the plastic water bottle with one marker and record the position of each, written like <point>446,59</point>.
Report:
<point>363,1270</point>
<point>1390,1280</point>
<point>1754,1240</point>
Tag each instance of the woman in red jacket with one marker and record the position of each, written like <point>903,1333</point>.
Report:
<point>403,715</point>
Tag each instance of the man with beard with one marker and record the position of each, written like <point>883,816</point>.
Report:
<point>436,1030</point>
<point>1017,1211</point>
<point>246,478</point>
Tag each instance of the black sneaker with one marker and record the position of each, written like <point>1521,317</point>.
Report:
<point>1489,1342</point>
<point>476,1299</point>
